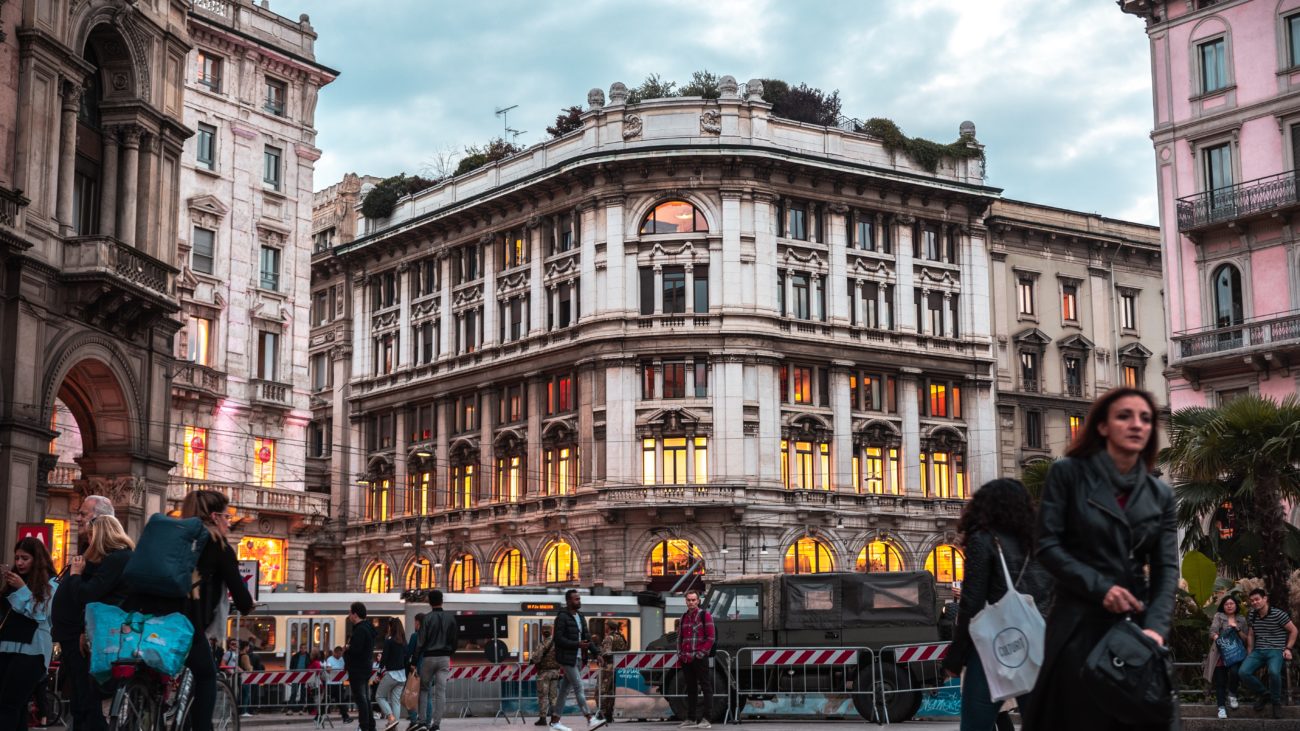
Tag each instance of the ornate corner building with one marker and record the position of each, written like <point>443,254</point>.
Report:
<point>91,139</point>
<point>687,332</point>
<point>239,396</point>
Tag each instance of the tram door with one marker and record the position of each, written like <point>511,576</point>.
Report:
<point>530,637</point>
<point>315,632</point>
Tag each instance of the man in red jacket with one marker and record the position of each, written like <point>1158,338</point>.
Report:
<point>695,637</point>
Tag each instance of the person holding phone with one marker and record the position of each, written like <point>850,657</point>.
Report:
<point>572,641</point>
<point>25,643</point>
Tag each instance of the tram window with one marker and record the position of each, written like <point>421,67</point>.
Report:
<point>293,638</point>
<point>262,629</point>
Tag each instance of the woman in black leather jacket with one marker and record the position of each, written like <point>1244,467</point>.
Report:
<point>1000,513</point>
<point>1106,532</point>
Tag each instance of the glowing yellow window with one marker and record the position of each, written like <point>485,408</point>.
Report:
<point>673,558</point>
<point>803,465</point>
<point>59,541</point>
<point>194,457</point>
<point>879,556</point>
<point>511,569</point>
<point>560,563</point>
<point>675,461</point>
<point>701,460</point>
<point>938,399</point>
<point>939,465</point>
<point>648,461</point>
<point>875,471</point>
<point>946,563</point>
<point>269,554</point>
<point>1076,423</point>
<point>379,579</point>
<point>264,462</point>
<point>824,456</point>
<point>785,463</point>
<point>464,573</point>
<point>419,575</point>
<point>808,556</point>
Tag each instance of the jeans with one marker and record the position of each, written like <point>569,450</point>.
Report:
<point>1258,658</point>
<point>433,688</point>
<point>699,677</point>
<point>389,695</point>
<point>359,680</point>
<point>1225,683</point>
<point>572,679</point>
<point>979,712</point>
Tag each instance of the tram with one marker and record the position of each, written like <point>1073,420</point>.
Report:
<point>496,625</point>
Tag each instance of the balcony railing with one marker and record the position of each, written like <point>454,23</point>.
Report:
<point>89,255</point>
<point>250,498</point>
<point>200,378</point>
<point>270,392</point>
<point>1270,331</point>
<point>1236,201</point>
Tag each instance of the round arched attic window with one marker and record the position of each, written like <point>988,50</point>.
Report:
<point>674,217</point>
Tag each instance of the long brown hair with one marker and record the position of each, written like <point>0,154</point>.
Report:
<point>38,576</point>
<point>203,504</point>
<point>1089,440</point>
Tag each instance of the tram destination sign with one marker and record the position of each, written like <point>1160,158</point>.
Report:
<point>540,606</point>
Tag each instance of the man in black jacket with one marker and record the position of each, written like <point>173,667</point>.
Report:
<point>572,640</point>
<point>435,645</point>
<point>359,659</point>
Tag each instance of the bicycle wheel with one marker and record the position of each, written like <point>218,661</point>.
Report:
<point>225,715</point>
<point>55,705</point>
<point>135,708</point>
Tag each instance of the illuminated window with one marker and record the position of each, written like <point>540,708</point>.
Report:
<point>648,461</point>
<point>464,573</point>
<point>509,483</point>
<point>560,563</point>
<point>419,493</point>
<point>561,467</point>
<point>824,461</point>
<point>1132,376</point>
<point>940,485</point>
<point>875,471</point>
<point>59,544</point>
<point>1076,423</point>
<point>701,460</point>
<point>674,217</point>
<point>511,569</point>
<point>419,575</point>
<point>194,457</point>
<point>675,461</point>
<point>377,499</point>
<point>673,558</point>
<point>802,387</point>
<point>879,556</point>
<point>199,347</point>
<point>946,563</point>
<point>269,554</point>
<point>379,578</point>
<point>808,556</point>
<point>1070,302</point>
<point>264,462</point>
<point>462,486</point>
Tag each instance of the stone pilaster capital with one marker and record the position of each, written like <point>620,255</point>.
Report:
<point>131,135</point>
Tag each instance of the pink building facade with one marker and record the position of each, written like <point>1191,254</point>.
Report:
<point>1226,80</point>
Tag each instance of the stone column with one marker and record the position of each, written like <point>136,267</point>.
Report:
<point>146,198</point>
<point>837,312</point>
<point>765,263</point>
<point>400,486</point>
<point>842,423</point>
<point>405,350</point>
<point>490,313</point>
<point>621,297</point>
<point>726,278</point>
<point>446,320</point>
<point>441,454</point>
<point>904,309</point>
<point>982,434</point>
<point>130,180</point>
<point>536,290</point>
<point>690,289</point>
<point>108,194</point>
<point>592,304</point>
<point>949,322</point>
<point>486,448</point>
<point>907,408</point>
<point>535,400</point>
<point>769,420</point>
<point>63,212</point>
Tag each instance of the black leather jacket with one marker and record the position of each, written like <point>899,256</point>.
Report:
<point>1089,543</point>
<point>570,629</point>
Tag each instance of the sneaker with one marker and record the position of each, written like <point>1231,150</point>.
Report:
<point>1260,703</point>
<point>1223,712</point>
<point>391,725</point>
<point>704,723</point>
<point>686,724</point>
<point>595,722</point>
<point>540,722</point>
<point>1232,702</point>
<point>557,726</point>
<point>245,714</point>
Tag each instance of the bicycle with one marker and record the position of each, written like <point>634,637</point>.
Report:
<point>50,702</point>
<point>146,700</point>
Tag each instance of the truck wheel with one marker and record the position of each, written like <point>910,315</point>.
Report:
<point>901,706</point>
<point>671,690</point>
<point>675,688</point>
<point>722,693</point>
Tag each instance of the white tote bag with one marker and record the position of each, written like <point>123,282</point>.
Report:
<point>1009,635</point>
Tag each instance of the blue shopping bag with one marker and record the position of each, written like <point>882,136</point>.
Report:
<point>161,642</point>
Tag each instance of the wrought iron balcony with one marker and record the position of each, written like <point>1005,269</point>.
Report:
<point>1262,333</point>
<point>1252,198</point>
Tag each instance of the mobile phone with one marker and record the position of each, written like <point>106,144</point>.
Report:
<point>956,586</point>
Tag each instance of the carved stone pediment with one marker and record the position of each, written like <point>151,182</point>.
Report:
<point>1135,350</point>
<point>1076,342</point>
<point>1032,336</point>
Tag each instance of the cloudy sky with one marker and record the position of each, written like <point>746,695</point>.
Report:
<point>1060,91</point>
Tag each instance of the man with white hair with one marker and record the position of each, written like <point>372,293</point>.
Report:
<point>65,626</point>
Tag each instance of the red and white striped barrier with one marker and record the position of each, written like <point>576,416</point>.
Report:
<point>646,660</point>
<point>338,676</point>
<point>921,653</point>
<point>288,677</point>
<point>805,657</point>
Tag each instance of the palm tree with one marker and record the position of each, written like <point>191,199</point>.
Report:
<point>1034,475</point>
<point>1243,452</point>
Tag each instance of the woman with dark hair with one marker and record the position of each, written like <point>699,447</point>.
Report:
<point>218,571</point>
<point>1000,514</point>
<point>1106,533</point>
<point>1229,625</point>
<point>389,693</point>
<point>25,644</point>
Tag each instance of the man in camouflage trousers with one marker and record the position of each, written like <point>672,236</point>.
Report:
<point>548,677</point>
<point>614,642</point>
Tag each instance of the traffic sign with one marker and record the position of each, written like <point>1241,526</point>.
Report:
<point>249,570</point>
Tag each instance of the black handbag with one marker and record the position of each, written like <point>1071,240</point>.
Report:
<point>15,627</point>
<point>1131,676</point>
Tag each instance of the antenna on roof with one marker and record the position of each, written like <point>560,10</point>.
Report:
<point>504,114</point>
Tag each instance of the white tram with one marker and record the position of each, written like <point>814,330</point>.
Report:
<point>495,624</point>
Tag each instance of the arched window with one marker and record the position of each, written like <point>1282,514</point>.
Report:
<point>674,217</point>
<point>379,578</point>
<point>1228,310</point>
<point>510,569</point>
<point>560,563</point>
<point>947,564</point>
<point>879,556</point>
<point>669,562</point>
<point>419,575</point>
<point>464,573</point>
<point>808,555</point>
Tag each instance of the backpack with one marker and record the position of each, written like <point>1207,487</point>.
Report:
<point>165,557</point>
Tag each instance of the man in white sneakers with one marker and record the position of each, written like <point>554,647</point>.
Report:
<point>572,640</point>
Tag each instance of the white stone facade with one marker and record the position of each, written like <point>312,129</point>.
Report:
<point>770,358</point>
<point>240,398</point>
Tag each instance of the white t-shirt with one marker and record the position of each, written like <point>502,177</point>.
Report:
<point>333,663</point>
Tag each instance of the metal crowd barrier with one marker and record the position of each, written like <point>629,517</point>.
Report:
<point>908,671</point>
<point>796,672</point>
